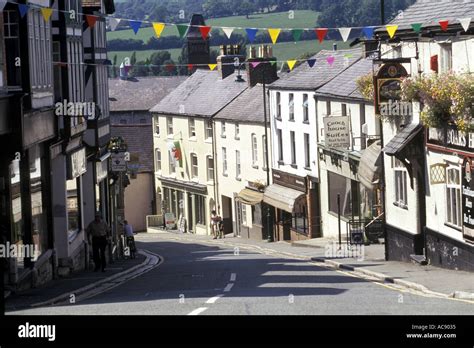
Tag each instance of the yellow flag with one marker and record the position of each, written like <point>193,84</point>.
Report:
<point>391,30</point>
<point>274,33</point>
<point>291,64</point>
<point>159,27</point>
<point>46,12</point>
<point>212,66</point>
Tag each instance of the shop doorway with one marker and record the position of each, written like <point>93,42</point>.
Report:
<point>227,214</point>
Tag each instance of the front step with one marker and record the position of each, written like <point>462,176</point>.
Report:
<point>419,259</point>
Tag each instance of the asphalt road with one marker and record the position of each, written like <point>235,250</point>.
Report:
<point>200,279</point>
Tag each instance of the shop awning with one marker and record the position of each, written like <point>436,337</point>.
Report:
<point>370,166</point>
<point>250,197</point>
<point>402,139</point>
<point>281,197</point>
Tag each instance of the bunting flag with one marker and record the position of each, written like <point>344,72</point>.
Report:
<point>311,62</point>
<point>190,67</point>
<point>46,12</point>
<point>251,33</point>
<point>391,30</point>
<point>135,25</point>
<point>254,64</point>
<point>321,33</point>
<point>158,27</point>
<point>212,66</point>
<point>348,55</point>
<point>2,4</point>
<point>345,32</point>
<point>291,64</point>
<point>416,27</point>
<point>23,9</point>
<point>170,67</point>
<point>297,34</point>
<point>91,20</point>
<point>113,23</point>
<point>368,32</point>
<point>228,32</point>
<point>273,62</point>
<point>444,25</point>
<point>330,60</point>
<point>205,30</point>
<point>274,33</point>
<point>182,29</point>
<point>465,22</point>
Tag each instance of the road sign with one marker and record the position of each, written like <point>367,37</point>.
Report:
<point>118,162</point>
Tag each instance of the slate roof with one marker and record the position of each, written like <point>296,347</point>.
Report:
<point>402,139</point>
<point>305,78</point>
<point>203,94</point>
<point>430,12</point>
<point>344,85</point>
<point>139,139</point>
<point>140,94</point>
<point>247,107</point>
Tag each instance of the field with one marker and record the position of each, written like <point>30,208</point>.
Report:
<point>302,19</point>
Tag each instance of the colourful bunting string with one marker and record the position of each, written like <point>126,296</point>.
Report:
<point>444,25</point>
<point>3,3</point>
<point>291,64</point>
<point>135,25</point>
<point>212,66</point>
<point>205,30</point>
<point>158,27</point>
<point>321,33</point>
<point>46,12</point>
<point>330,60</point>
<point>251,33</point>
<point>91,20</point>
<point>345,32</point>
<point>254,64</point>
<point>368,32</point>
<point>113,23</point>
<point>311,62</point>
<point>297,34</point>
<point>228,32</point>
<point>416,27</point>
<point>182,29</point>
<point>274,33</point>
<point>23,9</point>
<point>391,30</point>
<point>465,22</point>
<point>190,66</point>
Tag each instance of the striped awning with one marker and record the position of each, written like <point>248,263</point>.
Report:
<point>250,197</point>
<point>281,197</point>
<point>370,166</point>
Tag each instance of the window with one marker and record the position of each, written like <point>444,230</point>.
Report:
<point>446,57</point>
<point>244,214</point>
<point>264,151</point>
<point>200,203</point>
<point>192,128</point>
<point>237,164</point>
<point>237,131</point>
<point>453,197</point>
<point>278,105</point>
<point>293,148</point>
<point>40,50</point>
<point>210,168</point>
<point>38,206</point>
<point>280,145</point>
<point>194,166</point>
<point>400,183</point>
<point>73,206</point>
<point>209,129</point>
<point>223,129</point>
<point>328,108</point>
<point>307,152</point>
<point>169,125</point>
<point>344,109</point>
<point>305,108</point>
<point>172,162</point>
<point>158,160</point>
<point>12,47</point>
<point>157,126</point>
<point>257,214</point>
<point>291,106</point>
<point>254,150</point>
<point>348,191</point>
<point>224,161</point>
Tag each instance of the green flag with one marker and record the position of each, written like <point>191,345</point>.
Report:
<point>297,34</point>
<point>182,29</point>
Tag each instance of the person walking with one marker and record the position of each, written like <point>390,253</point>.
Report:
<point>99,232</point>
<point>214,222</point>
<point>129,235</point>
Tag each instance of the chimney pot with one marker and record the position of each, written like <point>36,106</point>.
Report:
<point>334,46</point>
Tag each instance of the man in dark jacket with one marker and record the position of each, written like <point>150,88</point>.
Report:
<point>99,231</point>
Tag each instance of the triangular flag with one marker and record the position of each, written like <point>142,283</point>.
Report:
<point>291,64</point>
<point>465,22</point>
<point>91,20</point>
<point>158,27</point>
<point>348,55</point>
<point>274,33</point>
<point>113,23</point>
<point>251,33</point>
<point>330,60</point>
<point>391,30</point>
<point>46,12</point>
<point>212,66</point>
<point>228,32</point>
<point>190,67</point>
<point>254,64</point>
<point>444,25</point>
<point>345,32</point>
<point>416,27</point>
<point>297,34</point>
<point>23,9</point>
<point>273,62</point>
<point>204,31</point>
<point>368,32</point>
<point>2,4</point>
<point>311,62</point>
<point>321,33</point>
<point>170,67</point>
<point>182,29</point>
<point>135,25</point>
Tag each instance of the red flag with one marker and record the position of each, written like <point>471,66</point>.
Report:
<point>91,20</point>
<point>321,33</point>
<point>204,31</point>
<point>444,25</point>
<point>170,67</point>
<point>190,67</point>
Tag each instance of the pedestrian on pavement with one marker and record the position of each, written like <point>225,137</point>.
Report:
<point>129,235</point>
<point>99,232</point>
<point>214,221</point>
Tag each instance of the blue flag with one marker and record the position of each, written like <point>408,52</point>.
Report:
<point>23,9</point>
<point>311,62</point>
<point>251,33</point>
<point>368,32</point>
<point>135,26</point>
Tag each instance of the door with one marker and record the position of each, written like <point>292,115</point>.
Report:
<point>190,214</point>
<point>238,222</point>
<point>227,214</point>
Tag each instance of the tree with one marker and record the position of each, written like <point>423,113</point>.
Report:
<point>157,59</point>
<point>133,59</point>
<point>246,8</point>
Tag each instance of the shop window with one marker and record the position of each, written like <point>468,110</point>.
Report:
<point>200,204</point>
<point>348,191</point>
<point>38,208</point>
<point>453,197</point>
<point>243,208</point>
<point>73,211</point>
<point>257,214</point>
<point>401,180</point>
<point>16,207</point>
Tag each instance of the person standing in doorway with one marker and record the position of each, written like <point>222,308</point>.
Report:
<point>99,232</point>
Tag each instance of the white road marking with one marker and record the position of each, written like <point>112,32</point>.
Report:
<point>233,277</point>
<point>228,287</point>
<point>198,311</point>
<point>214,299</point>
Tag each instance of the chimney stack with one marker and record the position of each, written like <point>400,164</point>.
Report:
<point>229,60</point>
<point>264,70</point>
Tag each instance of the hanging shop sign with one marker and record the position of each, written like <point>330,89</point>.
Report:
<point>102,168</point>
<point>118,161</point>
<point>468,199</point>
<point>387,92</point>
<point>77,164</point>
<point>337,131</point>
